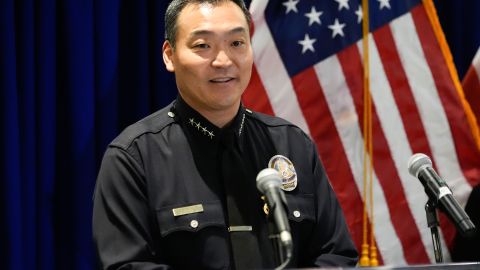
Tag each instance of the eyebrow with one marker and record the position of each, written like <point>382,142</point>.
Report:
<point>200,32</point>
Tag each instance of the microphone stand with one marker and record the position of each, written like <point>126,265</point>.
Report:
<point>283,252</point>
<point>433,223</point>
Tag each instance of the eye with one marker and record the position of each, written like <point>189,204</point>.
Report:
<point>201,46</point>
<point>237,43</point>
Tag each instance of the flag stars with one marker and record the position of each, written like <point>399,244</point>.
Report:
<point>359,14</point>
<point>314,16</point>
<point>307,44</point>
<point>291,5</point>
<point>337,28</point>
<point>342,4</point>
<point>384,4</point>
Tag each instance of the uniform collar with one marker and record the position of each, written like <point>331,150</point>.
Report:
<point>203,129</point>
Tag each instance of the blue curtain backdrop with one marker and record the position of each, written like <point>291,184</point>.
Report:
<point>73,74</point>
<point>460,21</point>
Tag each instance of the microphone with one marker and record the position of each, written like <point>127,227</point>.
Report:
<point>268,183</point>
<point>420,166</point>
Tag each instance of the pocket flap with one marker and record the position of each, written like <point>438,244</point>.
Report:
<point>300,207</point>
<point>190,217</point>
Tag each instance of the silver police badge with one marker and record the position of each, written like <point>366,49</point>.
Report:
<point>285,167</point>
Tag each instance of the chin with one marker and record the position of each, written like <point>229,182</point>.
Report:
<point>225,103</point>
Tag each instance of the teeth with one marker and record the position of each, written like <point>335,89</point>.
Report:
<point>221,80</point>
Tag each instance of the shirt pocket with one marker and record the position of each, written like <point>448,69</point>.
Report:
<point>210,216</point>
<point>300,207</point>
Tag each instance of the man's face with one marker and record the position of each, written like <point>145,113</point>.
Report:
<point>212,59</point>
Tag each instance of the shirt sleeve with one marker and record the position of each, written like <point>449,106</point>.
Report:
<point>122,224</point>
<point>332,244</point>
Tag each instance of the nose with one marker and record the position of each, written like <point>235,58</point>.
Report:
<point>222,60</point>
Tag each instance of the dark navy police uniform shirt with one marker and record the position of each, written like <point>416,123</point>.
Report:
<point>167,184</point>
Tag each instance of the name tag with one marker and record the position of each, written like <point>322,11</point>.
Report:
<point>240,228</point>
<point>196,208</point>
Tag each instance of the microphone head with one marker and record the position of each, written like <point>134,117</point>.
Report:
<point>267,178</point>
<point>417,162</point>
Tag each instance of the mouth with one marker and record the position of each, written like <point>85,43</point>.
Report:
<point>222,80</point>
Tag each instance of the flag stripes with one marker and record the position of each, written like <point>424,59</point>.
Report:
<point>342,108</point>
<point>471,85</point>
<point>415,109</point>
<point>269,65</point>
<point>460,138</point>
<point>314,105</point>
<point>398,111</point>
<point>389,142</point>
<point>262,104</point>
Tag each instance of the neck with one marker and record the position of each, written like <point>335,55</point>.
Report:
<point>220,118</point>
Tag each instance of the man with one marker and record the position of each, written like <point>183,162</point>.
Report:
<point>177,189</point>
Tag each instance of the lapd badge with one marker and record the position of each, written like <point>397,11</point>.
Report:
<point>285,167</point>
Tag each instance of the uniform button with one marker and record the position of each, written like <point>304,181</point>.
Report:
<point>194,223</point>
<point>171,114</point>
<point>296,213</point>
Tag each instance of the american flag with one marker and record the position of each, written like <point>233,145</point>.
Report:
<point>308,70</point>
<point>471,85</point>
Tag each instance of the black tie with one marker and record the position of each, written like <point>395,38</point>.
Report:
<point>242,204</point>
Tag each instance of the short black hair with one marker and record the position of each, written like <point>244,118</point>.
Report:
<point>176,6</point>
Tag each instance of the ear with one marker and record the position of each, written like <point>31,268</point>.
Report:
<point>168,56</point>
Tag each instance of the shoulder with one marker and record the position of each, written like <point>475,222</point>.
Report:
<point>153,124</point>
<point>289,140</point>
<point>276,124</point>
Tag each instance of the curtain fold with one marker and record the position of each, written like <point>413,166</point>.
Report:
<point>73,74</point>
<point>461,25</point>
